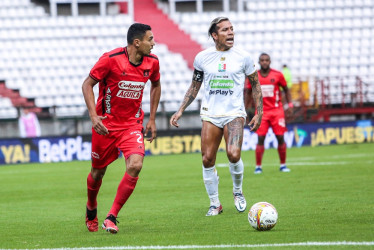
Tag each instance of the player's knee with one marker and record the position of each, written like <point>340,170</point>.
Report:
<point>98,174</point>
<point>208,161</point>
<point>234,156</point>
<point>134,168</point>
<point>280,139</point>
<point>261,140</point>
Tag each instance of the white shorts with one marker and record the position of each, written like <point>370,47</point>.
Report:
<point>220,121</point>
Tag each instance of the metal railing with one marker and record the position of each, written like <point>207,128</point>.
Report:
<point>103,3</point>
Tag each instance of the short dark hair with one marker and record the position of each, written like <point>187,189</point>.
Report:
<point>213,25</point>
<point>137,31</point>
<point>264,54</point>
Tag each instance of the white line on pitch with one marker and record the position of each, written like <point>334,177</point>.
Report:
<point>333,243</point>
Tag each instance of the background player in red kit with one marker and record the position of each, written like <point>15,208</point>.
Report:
<point>271,80</point>
<point>117,118</point>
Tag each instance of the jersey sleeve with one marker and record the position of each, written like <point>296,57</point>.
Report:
<point>249,65</point>
<point>156,72</point>
<point>282,80</point>
<point>101,68</point>
<point>197,64</point>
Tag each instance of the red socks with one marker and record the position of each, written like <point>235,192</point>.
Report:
<point>282,153</point>
<point>125,189</point>
<point>93,188</point>
<point>259,153</point>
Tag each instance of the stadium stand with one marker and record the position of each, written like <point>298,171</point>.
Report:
<point>46,58</point>
<point>327,44</point>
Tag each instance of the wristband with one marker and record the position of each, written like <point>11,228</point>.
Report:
<point>290,105</point>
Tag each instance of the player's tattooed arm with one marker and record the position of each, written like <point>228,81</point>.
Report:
<point>257,97</point>
<point>235,131</point>
<point>189,97</point>
<point>190,94</point>
<point>256,91</point>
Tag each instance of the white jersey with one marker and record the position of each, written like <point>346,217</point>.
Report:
<point>223,83</point>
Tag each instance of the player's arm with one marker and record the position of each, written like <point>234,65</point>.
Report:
<point>255,123</point>
<point>155,100</point>
<point>189,97</point>
<point>248,100</point>
<point>287,93</point>
<point>289,106</point>
<point>89,98</point>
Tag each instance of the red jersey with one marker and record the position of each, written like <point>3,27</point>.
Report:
<point>121,85</point>
<point>271,94</point>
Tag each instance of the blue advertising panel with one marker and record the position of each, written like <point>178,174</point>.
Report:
<point>45,149</point>
<point>68,148</point>
<point>316,134</point>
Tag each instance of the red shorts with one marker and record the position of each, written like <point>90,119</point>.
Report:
<point>106,148</point>
<point>275,119</point>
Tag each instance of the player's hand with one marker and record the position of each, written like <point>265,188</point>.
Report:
<point>289,112</point>
<point>98,125</point>
<point>255,123</point>
<point>174,119</point>
<point>151,126</point>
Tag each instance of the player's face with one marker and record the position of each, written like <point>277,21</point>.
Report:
<point>146,45</point>
<point>224,37</point>
<point>264,62</point>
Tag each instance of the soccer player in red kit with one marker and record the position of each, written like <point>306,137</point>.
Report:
<point>117,118</point>
<point>271,81</point>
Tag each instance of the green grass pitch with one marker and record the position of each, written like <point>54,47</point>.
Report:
<point>327,197</point>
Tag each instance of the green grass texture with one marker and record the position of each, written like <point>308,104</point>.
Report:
<point>327,197</point>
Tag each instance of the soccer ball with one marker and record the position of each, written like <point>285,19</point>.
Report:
<point>262,216</point>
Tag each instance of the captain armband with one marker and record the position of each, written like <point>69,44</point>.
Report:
<point>198,75</point>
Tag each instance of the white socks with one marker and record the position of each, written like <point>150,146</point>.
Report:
<point>236,170</point>
<point>210,178</point>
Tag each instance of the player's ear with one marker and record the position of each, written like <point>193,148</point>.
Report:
<point>136,43</point>
<point>214,36</point>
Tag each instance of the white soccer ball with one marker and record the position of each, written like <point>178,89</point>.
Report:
<point>263,216</point>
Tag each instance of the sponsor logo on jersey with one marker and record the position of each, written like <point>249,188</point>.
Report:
<point>221,92</point>
<point>267,90</point>
<point>130,89</point>
<point>130,85</point>
<point>221,84</point>
<point>129,94</point>
<point>108,97</point>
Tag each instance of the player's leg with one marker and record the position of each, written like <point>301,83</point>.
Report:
<point>131,144</point>
<point>279,128</point>
<point>211,137</point>
<point>94,180</point>
<point>127,185</point>
<point>282,152</point>
<point>103,153</point>
<point>233,133</point>
<point>260,148</point>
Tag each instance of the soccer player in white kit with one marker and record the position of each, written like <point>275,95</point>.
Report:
<point>222,70</point>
